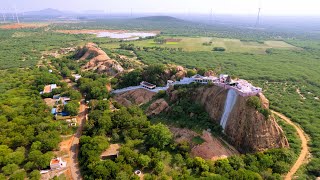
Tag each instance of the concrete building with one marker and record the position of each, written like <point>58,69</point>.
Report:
<point>57,163</point>
<point>76,76</point>
<point>147,85</point>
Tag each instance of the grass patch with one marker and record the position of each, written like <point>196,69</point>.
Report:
<point>198,140</point>
<point>172,43</point>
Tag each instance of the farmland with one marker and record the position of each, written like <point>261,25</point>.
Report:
<point>197,44</point>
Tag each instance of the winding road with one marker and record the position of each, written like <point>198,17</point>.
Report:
<point>304,146</point>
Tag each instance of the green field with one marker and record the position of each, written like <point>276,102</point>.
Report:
<point>196,44</point>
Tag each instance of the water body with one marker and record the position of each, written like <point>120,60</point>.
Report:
<point>228,106</point>
<point>126,36</point>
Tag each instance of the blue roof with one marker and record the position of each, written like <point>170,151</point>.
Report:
<point>57,96</point>
<point>54,111</point>
<point>64,114</point>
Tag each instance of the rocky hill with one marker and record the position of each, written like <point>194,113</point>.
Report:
<point>247,128</point>
<point>99,61</point>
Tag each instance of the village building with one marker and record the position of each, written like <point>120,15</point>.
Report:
<point>147,85</point>
<point>170,83</point>
<point>76,77</point>
<point>242,87</point>
<point>48,88</point>
<point>111,153</point>
<point>65,100</point>
<point>57,163</point>
<point>57,96</point>
<point>204,79</point>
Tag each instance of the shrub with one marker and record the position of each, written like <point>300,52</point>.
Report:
<point>254,102</point>
<point>219,49</point>
<point>161,94</point>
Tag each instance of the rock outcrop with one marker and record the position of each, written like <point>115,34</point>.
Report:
<point>134,97</point>
<point>157,107</point>
<point>247,129</point>
<point>99,61</point>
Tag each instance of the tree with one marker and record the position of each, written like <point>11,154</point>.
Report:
<point>35,175</point>
<point>243,174</point>
<point>40,160</point>
<point>201,164</point>
<point>73,94</point>
<point>36,146</point>
<point>19,174</point>
<point>18,156</point>
<point>314,167</point>
<point>10,169</point>
<point>144,160</point>
<point>236,162</point>
<point>72,108</point>
<point>159,136</point>
<point>159,40</point>
<point>132,78</point>
<point>104,123</point>
<point>280,167</point>
<point>4,152</point>
<point>65,72</point>
<point>191,73</point>
<point>218,49</point>
<point>159,167</point>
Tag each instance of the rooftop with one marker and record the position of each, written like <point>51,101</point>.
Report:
<point>147,84</point>
<point>111,151</point>
<point>54,161</point>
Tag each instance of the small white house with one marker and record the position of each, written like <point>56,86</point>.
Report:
<point>57,163</point>
<point>76,77</point>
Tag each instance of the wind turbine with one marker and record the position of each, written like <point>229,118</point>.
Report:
<point>258,17</point>
<point>15,10</point>
<point>11,9</point>
<point>3,15</point>
<point>212,16</point>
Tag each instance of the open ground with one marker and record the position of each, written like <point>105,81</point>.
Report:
<point>196,44</point>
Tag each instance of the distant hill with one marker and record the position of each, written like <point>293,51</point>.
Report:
<point>47,12</point>
<point>160,18</point>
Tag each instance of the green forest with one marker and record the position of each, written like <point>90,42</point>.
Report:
<point>29,134</point>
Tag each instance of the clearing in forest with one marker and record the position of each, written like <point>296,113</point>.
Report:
<point>203,145</point>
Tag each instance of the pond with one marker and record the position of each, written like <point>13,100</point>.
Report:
<point>125,35</point>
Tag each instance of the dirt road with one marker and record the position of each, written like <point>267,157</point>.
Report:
<point>304,146</point>
<point>74,164</point>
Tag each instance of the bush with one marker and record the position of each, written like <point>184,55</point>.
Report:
<point>265,112</point>
<point>219,49</point>
<point>254,102</point>
<point>161,94</point>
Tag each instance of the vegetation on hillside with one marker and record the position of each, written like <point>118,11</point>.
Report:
<point>150,148</point>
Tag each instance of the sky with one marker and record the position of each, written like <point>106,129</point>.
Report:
<point>245,7</point>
